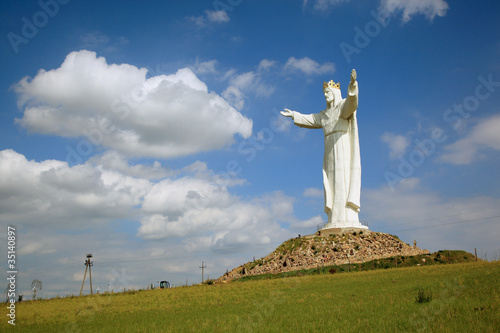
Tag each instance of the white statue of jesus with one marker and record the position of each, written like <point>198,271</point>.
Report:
<point>341,161</point>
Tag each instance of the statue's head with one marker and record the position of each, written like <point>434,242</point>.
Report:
<point>332,92</point>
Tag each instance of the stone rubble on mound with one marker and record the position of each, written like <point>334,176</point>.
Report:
<point>325,248</point>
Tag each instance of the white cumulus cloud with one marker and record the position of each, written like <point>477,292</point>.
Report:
<point>186,204</point>
<point>218,16</point>
<point>311,223</point>
<point>483,136</point>
<point>201,208</point>
<point>313,192</point>
<point>308,66</point>
<point>266,64</point>
<point>117,107</point>
<point>205,67</point>
<point>50,193</point>
<point>324,4</point>
<point>112,160</point>
<point>242,84</point>
<point>210,16</point>
<point>397,144</point>
<point>408,8</point>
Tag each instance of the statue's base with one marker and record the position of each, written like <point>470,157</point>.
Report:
<point>342,231</point>
<point>345,225</point>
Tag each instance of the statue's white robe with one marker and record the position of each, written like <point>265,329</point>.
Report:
<point>341,160</point>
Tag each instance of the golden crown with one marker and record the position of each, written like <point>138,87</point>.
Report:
<point>331,84</point>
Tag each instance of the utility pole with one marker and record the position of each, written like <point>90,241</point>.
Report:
<point>202,268</point>
<point>88,264</point>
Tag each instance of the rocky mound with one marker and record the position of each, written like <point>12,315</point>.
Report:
<point>325,248</point>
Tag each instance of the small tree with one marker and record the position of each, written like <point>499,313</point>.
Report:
<point>35,286</point>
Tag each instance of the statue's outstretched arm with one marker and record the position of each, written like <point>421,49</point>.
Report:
<point>303,120</point>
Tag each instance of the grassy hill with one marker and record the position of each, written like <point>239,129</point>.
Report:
<point>436,258</point>
<point>435,298</point>
<point>330,247</point>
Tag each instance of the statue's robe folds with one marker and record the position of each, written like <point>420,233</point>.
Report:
<point>341,161</point>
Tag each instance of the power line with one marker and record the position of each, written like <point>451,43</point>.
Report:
<point>175,256</point>
<point>163,258</point>
<point>439,218</point>
<point>442,224</point>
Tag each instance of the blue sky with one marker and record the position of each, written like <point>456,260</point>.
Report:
<point>150,135</point>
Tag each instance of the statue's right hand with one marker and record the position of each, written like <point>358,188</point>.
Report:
<point>287,113</point>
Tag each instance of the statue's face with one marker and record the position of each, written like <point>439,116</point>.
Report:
<point>329,95</point>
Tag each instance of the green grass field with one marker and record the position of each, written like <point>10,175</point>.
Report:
<point>463,298</point>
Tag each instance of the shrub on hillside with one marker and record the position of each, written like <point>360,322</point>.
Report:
<point>422,296</point>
